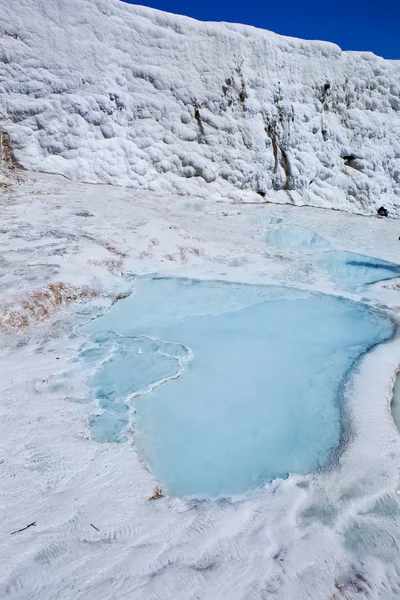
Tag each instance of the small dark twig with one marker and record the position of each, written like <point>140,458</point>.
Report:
<point>94,527</point>
<point>23,529</point>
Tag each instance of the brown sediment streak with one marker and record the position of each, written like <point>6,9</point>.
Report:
<point>41,304</point>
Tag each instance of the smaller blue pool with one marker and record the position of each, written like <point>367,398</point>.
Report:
<point>351,271</point>
<point>293,236</point>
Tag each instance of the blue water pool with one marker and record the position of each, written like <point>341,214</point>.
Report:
<point>293,236</point>
<point>232,385</point>
<point>351,271</point>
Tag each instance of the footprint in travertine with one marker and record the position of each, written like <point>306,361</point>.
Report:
<point>50,470</point>
<point>49,554</point>
<point>75,522</point>
<point>293,236</point>
<point>13,586</point>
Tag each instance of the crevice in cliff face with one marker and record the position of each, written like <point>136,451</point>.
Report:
<point>285,164</point>
<point>350,160</point>
<point>271,131</point>
<point>200,125</point>
<point>281,158</point>
<point>278,130</point>
<point>6,152</point>
<point>324,96</point>
<point>242,93</point>
<point>234,89</point>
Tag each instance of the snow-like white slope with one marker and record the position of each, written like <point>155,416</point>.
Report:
<point>329,535</point>
<point>108,92</point>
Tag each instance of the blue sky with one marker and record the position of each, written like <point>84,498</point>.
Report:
<point>352,24</point>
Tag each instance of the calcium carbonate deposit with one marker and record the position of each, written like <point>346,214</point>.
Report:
<point>106,92</point>
<point>199,389</point>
